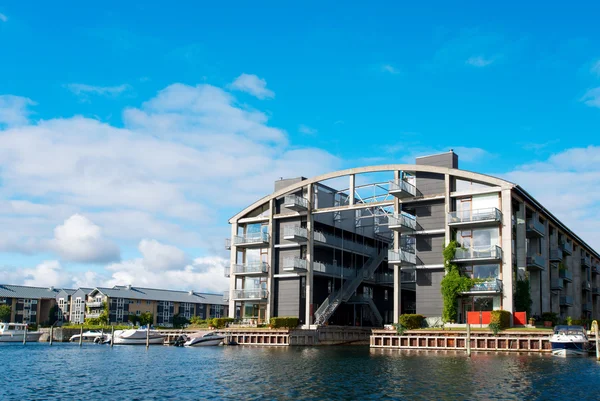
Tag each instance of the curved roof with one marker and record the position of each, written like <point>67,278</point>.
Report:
<point>374,169</point>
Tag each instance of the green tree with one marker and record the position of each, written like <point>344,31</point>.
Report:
<point>453,283</point>
<point>133,319</point>
<point>104,316</point>
<point>523,297</point>
<point>53,315</point>
<point>146,318</point>
<point>4,313</point>
<point>179,321</point>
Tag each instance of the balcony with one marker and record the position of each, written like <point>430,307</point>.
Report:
<point>226,296</point>
<point>295,234</point>
<point>566,301</point>
<point>93,314</point>
<point>94,304</point>
<point>566,275</point>
<point>566,247</point>
<point>332,270</point>
<point>251,295</point>
<point>251,268</point>
<point>535,228</point>
<point>403,257</point>
<point>536,262</point>
<point>595,290</point>
<point>490,286</point>
<point>341,243</point>
<point>556,255</point>
<point>475,217</point>
<point>557,284</point>
<point>402,223</point>
<point>252,240</point>
<point>296,203</point>
<point>294,264</point>
<point>408,276</point>
<point>586,261</point>
<point>595,269</point>
<point>402,189</point>
<point>587,307</point>
<point>226,271</point>
<point>478,254</point>
<point>586,286</point>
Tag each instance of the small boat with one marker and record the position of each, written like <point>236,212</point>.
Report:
<point>569,341</point>
<point>205,339</point>
<point>90,337</point>
<point>15,332</point>
<point>137,337</point>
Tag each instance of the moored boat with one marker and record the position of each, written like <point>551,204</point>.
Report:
<point>137,337</point>
<point>90,336</point>
<point>16,332</point>
<point>568,341</point>
<point>205,339</point>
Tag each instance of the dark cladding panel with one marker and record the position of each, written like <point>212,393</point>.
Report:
<point>430,183</point>
<point>429,296</point>
<point>288,297</point>
<point>448,159</point>
<point>430,215</point>
<point>429,249</point>
<point>286,182</point>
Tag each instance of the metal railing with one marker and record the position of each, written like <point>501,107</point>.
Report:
<point>340,242</point>
<point>565,275</point>
<point>492,284</point>
<point>556,254</point>
<point>566,300</point>
<point>587,307</point>
<point>557,284</point>
<point>402,220</point>
<point>250,294</point>
<point>478,252</point>
<point>586,261</point>
<point>334,270</point>
<point>474,216</point>
<point>535,226</point>
<point>295,231</point>
<point>408,276</point>
<point>295,201</point>
<point>595,290</point>
<point>227,271</point>
<point>402,186</point>
<point>536,261</point>
<point>256,267</point>
<point>93,315</point>
<point>94,304</point>
<point>226,296</point>
<point>586,285</point>
<point>402,256</point>
<point>252,238</point>
<point>291,263</point>
<point>567,247</point>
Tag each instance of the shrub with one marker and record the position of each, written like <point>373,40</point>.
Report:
<point>221,322</point>
<point>495,327</point>
<point>550,317</point>
<point>502,317</point>
<point>411,321</point>
<point>284,322</point>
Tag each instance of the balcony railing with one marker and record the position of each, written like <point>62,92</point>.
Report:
<point>478,253</point>
<point>489,285</point>
<point>251,240</point>
<point>402,257</point>
<point>93,314</point>
<point>566,275</point>
<point>94,304</point>
<point>226,271</point>
<point>595,269</point>
<point>295,202</point>
<point>251,268</point>
<point>536,262</point>
<point>339,242</point>
<point>587,307</point>
<point>226,296</point>
<point>556,254</point>
<point>294,264</point>
<point>408,276</point>
<point>566,301</point>
<point>477,216</point>
<point>402,223</point>
<point>402,189</point>
<point>557,284</point>
<point>566,247</point>
<point>535,228</point>
<point>586,261</point>
<point>595,290</point>
<point>333,270</point>
<point>295,233</point>
<point>250,294</point>
<point>586,285</point>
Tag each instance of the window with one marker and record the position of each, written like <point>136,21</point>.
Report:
<point>147,302</point>
<point>485,271</point>
<point>137,312</point>
<point>139,301</point>
<point>385,295</point>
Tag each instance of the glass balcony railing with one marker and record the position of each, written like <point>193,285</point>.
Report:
<point>251,268</point>
<point>586,261</point>
<point>295,233</point>
<point>556,254</point>
<point>408,276</point>
<point>258,294</point>
<point>227,271</point>
<point>586,285</point>
<point>566,301</point>
<point>489,252</point>
<point>489,285</point>
<point>565,275</point>
<point>93,314</point>
<point>294,264</point>
<point>251,239</point>
<point>94,304</point>
<point>225,296</point>
<point>475,216</point>
<point>566,247</point>
<point>587,307</point>
<point>402,189</point>
<point>536,262</point>
<point>595,290</point>
<point>595,269</point>
<point>402,223</point>
<point>339,242</point>
<point>295,202</point>
<point>535,228</point>
<point>557,284</point>
<point>402,257</point>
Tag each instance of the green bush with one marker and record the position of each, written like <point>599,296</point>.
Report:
<point>284,322</point>
<point>495,327</point>
<point>221,322</point>
<point>502,317</point>
<point>411,321</point>
<point>550,317</point>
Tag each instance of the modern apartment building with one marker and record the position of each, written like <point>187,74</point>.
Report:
<point>123,301</point>
<point>28,304</point>
<point>363,245</point>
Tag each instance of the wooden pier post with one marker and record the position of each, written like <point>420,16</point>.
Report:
<point>81,335</point>
<point>595,326</point>
<point>25,335</point>
<point>112,335</point>
<point>51,334</point>
<point>147,337</point>
<point>468,340</point>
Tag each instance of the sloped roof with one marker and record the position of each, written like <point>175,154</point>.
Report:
<point>21,291</point>
<point>153,294</point>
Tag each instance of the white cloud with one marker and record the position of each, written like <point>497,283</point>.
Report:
<point>3,17</point>
<point>83,90</point>
<point>80,240</point>
<point>305,129</point>
<point>465,154</point>
<point>390,68</point>
<point>596,68</point>
<point>14,110</point>
<point>161,257</point>
<point>592,97</point>
<point>253,85</point>
<point>479,61</point>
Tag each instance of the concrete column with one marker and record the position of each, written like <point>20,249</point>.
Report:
<point>271,258</point>
<point>447,191</point>
<point>578,278</point>
<point>545,251</point>
<point>310,253</point>
<point>507,257</point>
<point>397,269</point>
<point>352,189</point>
<point>232,261</point>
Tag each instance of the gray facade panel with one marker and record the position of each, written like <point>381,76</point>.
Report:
<point>288,297</point>
<point>430,184</point>
<point>429,249</point>
<point>286,253</point>
<point>428,294</point>
<point>430,216</point>
<point>449,160</point>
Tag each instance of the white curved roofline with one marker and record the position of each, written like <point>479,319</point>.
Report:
<point>374,169</point>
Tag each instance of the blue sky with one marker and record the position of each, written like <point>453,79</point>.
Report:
<point>133,117</point>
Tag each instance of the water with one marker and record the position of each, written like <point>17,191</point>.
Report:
<point>37,371</point>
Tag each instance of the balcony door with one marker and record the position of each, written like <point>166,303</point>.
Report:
<point>465,208</point>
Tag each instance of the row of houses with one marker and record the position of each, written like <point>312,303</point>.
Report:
<point>36,305</point>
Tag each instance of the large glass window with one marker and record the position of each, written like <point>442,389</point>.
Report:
<point>485,271</point>
<point>480,237</point>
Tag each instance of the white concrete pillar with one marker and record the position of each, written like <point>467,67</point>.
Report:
<point>310,257</point>
<point>232,261</point>
<point>507,259</point>
<point>397,269</point>
<point>271,258</point>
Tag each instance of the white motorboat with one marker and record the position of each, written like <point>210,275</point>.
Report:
<point>204,339</point>
<point>90,336</point>
<point>569,341</point>
<point>137,337</point>
<point>15,332</point>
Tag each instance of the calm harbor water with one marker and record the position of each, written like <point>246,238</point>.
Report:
<point>37,371</point>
